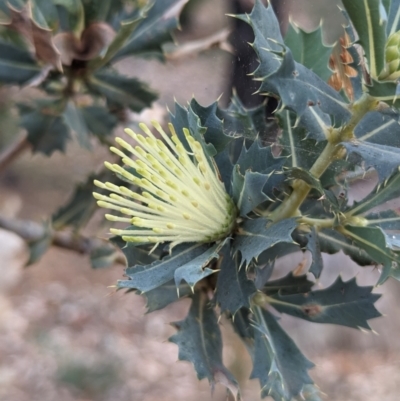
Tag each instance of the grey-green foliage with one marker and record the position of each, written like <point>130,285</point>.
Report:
<point>290,196</point>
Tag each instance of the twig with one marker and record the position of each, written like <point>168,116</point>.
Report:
<point>13,151</point>
<point>32,231</point>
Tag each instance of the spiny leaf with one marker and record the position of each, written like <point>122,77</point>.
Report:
<point>277,362</point>
<point>148,37</point>
<point>387,220</point>
<point>387,92</point>
<point>197,269</point>
<point>234,289</point>
<point>146,278</point>
<point>247,190</point>
<point>74,119</point>
<point>200,342</point>
<point>121,90</point>
<point>17,66</point>
<point>289,284</point>
<point>393,24</point>
<point>383,192</point>
<point>313,246</point>
<point>215,134</point>
<point>46,132</point>
<point>369,20</point>
<point>379,128</point>
<point>165,294</point>
<point>343,303</point>
<point>255,236</point>
<point>99,121</point>
<point>332,242</point>
<point>373,240</point>
<point>385,159</point>
<point>308,49</point>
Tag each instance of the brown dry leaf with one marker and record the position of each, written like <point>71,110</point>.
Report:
<point>342,72</point>
<point>40,38</point>
<point>94,39</point>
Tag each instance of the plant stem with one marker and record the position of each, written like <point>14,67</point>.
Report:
<point>12,152</point>
<point>332,151</point>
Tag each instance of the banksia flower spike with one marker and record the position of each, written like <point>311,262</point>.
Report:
<point>392,55</point>
<point>182,198</point>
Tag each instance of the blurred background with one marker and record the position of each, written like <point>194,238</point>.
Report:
<point>65,335</point>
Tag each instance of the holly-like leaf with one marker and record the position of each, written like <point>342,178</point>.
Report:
<point>289,284</point>
<point>46,132</point>
<point>383,192</point>
<point>369,20</point>
<point>343,303</point>
<point>247,190</point>
<point>197,269</point>
<point>384,159</point>
<point>215,134</point>
<point>277,362</point>
<point>234,289</point>
<point>153,31</point>
<point>99,121</point>
<point>379,128</point>
<point>308,49</point>
<point>17,66</point>
<point>393,23</point>
<point>387,220</point>
<point>200,342</point>
<point>146,278</point>
<point>74,119</point>
<point>374,241</point>
<point>387,92</point>
<point>313,246</point>
<point>331,242</point>
<point>255,236</point>
<point>248,123</point>
<point>165,295</point>
<point>80,207</point>
<point>121,90</point>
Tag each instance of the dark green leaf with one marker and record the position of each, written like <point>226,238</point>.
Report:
<point>332,242</point>
<point>379,128</point>
<point>308,49</point>
<point>17,66</point>
<point>197,269</point>
<point>289,284</point>
<point>277,362</point>
<point>148,37</point>
<point>393,24</point>
<point>200,342</point>
<point>99,121</point>
<point>215,133</point>
<point>387,220</point>
<point>385,159</point>
<point>165,294</point>
<point>103,256</point>
<point>255,236</point>
<point>38,247</point>
<point>313,246</point>
<point>370,23</point>
<point>234,289</point>
<point>121,90</point>
<point>248,123</point>
<point>146,278</point>
<point>81,206</point>
<point>247,190</point>
<point>343,303</point>
<point>384,192</point>
<point>387,92</point>
<point>373,241</point>
<point>74,119</point>
<point>46,132</point>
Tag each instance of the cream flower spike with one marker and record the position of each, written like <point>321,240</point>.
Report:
<point>182,199</point>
